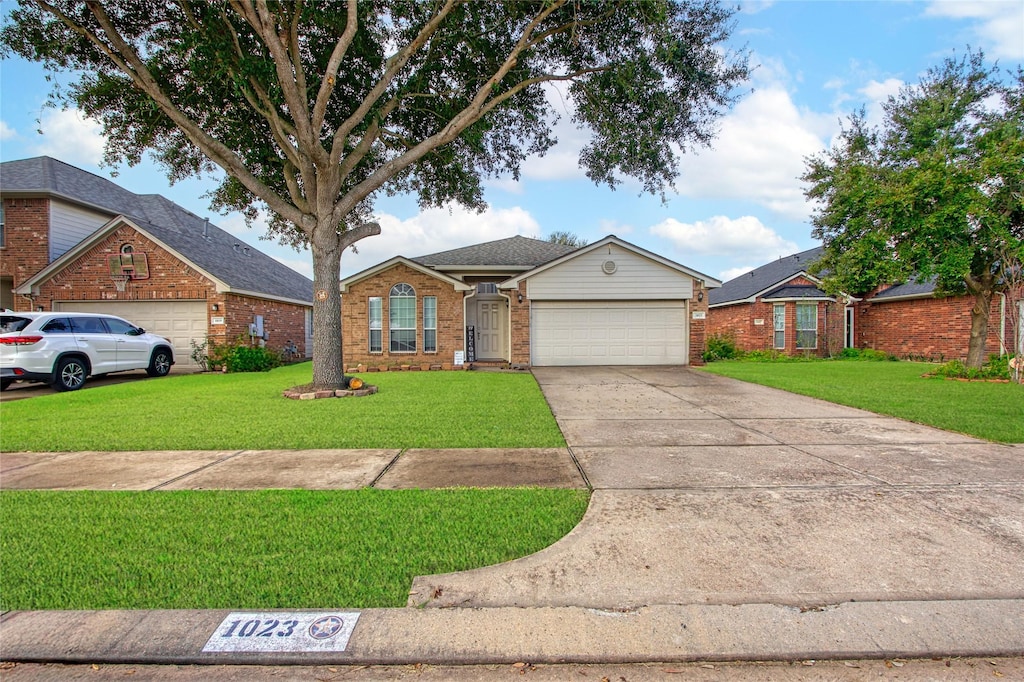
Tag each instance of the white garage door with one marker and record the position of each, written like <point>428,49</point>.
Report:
<point>608,333</point>
<point>179,321</point>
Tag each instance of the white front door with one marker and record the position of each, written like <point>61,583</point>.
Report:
<point>490,330</point>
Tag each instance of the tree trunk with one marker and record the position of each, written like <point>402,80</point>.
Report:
<point>328,369</point>
<point>979,321</point>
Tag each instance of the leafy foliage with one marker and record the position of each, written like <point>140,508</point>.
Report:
<point>935,194</point>
<point>720,347</point>
<point>313,109</point>
<point>996,367</point>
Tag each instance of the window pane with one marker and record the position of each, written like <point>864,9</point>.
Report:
<point>403,313</point>
<point>806,325</point>
<point>403,340</point>
<point>779,321</point>
<point>430,324</point>
<point>807,339</point>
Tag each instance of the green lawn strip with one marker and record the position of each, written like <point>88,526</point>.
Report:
<point>262,549</point>
<point>982,409</point>
<point>247,411</point>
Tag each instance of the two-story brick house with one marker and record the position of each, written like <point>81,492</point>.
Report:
<point>71,240</point>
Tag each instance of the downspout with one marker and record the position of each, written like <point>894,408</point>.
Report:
<point>1002,323</point>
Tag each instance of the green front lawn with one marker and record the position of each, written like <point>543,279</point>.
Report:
<point>264,549</point>
<point>247,411</point>
<point>986,410</point>
<point>270,549</point>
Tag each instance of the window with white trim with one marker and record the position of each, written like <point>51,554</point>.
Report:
<point>779,320</point>
<point>376,318</point>
<point>430,324</point>
<point>806,326</point>
<point>402,319</point>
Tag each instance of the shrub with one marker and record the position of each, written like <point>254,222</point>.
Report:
<point>720,347</point>
<point>996,367</point>
<point>239,356</point>
<point>866,354</point>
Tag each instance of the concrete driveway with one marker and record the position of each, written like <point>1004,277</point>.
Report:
<point>712,491</point>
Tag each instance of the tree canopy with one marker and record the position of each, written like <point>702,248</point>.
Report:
<point>934,194</point>
<point>313,109</point>
<point>566,238</point>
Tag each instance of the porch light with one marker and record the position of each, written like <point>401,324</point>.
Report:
<point>519,296</point>
<point>700,296</point>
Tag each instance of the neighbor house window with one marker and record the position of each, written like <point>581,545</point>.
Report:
<point>402,319</point>
<point>3,231</point>
<point>430,324</point>
<point>376,325</point>
<point>779,318</point>
<point>806,325</point>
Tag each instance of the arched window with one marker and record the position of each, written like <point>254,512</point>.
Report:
<point>402,319</point>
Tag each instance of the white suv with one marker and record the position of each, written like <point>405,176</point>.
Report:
<point>62,349</point>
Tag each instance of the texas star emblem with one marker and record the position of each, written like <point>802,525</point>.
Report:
<point>326,627</point>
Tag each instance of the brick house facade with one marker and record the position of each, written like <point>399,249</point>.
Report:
<point>523,302</point>
<point>905,320</point>
<point>63,226</point>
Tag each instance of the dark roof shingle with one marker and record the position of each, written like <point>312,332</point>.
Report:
<point>513,251</point>
<point>757,280</point>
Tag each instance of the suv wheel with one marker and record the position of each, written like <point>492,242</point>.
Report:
<point>160,363</point>
<point>69,374</point>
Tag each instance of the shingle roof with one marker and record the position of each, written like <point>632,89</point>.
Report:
<point>180,229</point>
<point>911,288</point>
<point>513,251</point>
<point>762,278</point>
<point>796,291</point>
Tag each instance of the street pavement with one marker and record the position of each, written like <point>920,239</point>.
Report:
<point>728,522</point>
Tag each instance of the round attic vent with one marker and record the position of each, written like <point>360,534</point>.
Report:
<point>609,267</point>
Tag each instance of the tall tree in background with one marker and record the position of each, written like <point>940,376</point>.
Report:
<point>567,239</point>
<point>312,109</point>
<point>935,194</point>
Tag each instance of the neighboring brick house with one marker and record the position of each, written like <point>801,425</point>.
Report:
<point>780,306</point>
<point>72,240</point>
<point>526,302</point>
<point>909,321</point>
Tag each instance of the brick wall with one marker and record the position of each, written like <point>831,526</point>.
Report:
<point>26,242</point>
<point>356,323</point>
<point>698,328</point>
<point>282,322</point>
<point>520,320</point>
<point>931,328</point>
<point>738,323</point>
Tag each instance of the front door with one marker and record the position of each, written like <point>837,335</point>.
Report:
<point>490,329</point>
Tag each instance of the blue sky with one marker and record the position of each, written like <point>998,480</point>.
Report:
<point>736,205</point>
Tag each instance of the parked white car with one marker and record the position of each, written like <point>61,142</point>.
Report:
<point>62,349</point>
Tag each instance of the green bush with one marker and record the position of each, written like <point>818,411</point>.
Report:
<point>996,367</point>
<point>866,354</point>
<point>239,356</point>
<point>720,347</point>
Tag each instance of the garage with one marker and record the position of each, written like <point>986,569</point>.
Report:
<point>179,321</point>
<point>609,333</point>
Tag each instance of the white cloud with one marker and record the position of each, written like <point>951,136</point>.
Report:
<point>7,132</point>
<point>998,25</point>
<point>733,273</point>
<point>758,155</point>
<point>745,237</point>
<point>69,136</point>
<point>608,226</point>
<point>437,229</point>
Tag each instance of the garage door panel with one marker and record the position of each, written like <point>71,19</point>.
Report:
<point>588,332</point>
<point>179,321</point>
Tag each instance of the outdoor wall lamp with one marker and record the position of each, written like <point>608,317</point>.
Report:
<point>519,296</point>
<point>700,296</point>
<point>216,307</point>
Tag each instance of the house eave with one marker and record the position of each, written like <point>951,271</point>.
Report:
<point>402,260</point>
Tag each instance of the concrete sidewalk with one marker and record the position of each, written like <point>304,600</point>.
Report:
<point>728,522</point>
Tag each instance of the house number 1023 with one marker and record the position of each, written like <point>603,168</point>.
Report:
<point>261,628</point>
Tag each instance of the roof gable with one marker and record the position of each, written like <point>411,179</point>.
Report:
<point>612,239</point>
<point>747,286</point>
<point>372,271</point>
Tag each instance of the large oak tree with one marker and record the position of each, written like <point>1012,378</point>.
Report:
<point>312,109</point>
<point>934,194</point>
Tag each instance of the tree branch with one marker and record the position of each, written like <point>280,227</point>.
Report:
<point>323,97</point>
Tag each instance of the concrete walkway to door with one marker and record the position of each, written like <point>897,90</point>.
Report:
<point>710,491</point>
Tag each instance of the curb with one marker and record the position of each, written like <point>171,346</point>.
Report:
<point>508,635</point>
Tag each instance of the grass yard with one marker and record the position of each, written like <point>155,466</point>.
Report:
<point>247,411</point>
<point>986,410</point>
<point>264,549</point>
